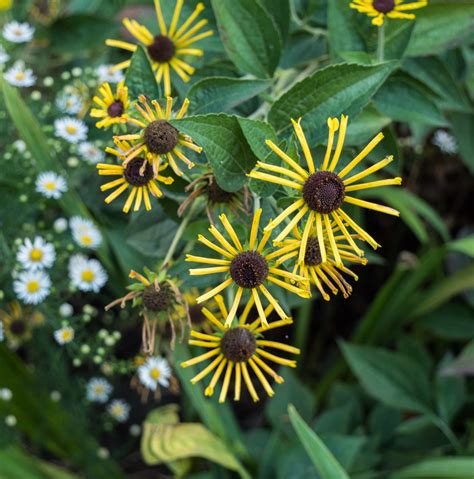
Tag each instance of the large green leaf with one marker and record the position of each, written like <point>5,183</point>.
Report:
<point>390,377</point>
<point>224,144</point>
<point>221,94</point>
<point>140,78</point>
<point>441,25</point>
<point>249,34</point>
<point>462,128</point>
<point>280,11</point>
<point>323,460</point>
<point>438,468</point>
<point>463,245</point>
<point>337,89</point>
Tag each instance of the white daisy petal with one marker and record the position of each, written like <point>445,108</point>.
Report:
<point>156,370</point>
<point>17,32</point>
<point>51,185</point>
<point>86,274</point>
<point>119,410</point>
<point>106,74</point>
<point>36,254</point>
<point>70,129</point>
<point>98,390</point>
<point>85,233</point>
<point>64,335</point>
<point>32,287</point>
<point>70,103</point>
<point>4,56</point>
<point>19,75</point>
<point>445,142</point>
<point>91,153</point>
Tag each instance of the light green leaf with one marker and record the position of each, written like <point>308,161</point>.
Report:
<point>464,245</point>
<point>221,94</point>
<point>140,78</point>
<point>445,289</point>
<point>224,144</point>
<point>438,468</point>
<point>337,89</point>
<point>440,26</point>
<point>390,377</point>
<point>323,460</point>
<point>249,34</point>
<point>403,99</point>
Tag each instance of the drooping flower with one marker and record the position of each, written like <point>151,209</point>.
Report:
<point>106,73</point>
<point>119,410</point>
<point>378,10</point>
<point>86,274</point>
<point>51,185</point>
<point>250,269</point>
<point>169,47</point>
<point>90,153</point>
<point>85,233</point>
<point>36,254</point>
<point>70,129</point>
<point>158,140</point>
<point>138,177</point>
<point>17,32</point>
<point>98,390</point>
<point>64,335</point>
<point>156,371</point>
<point>320,194</point>
<point>32,287</point>
<point>19,75</point>
<point>323,274</point>
<point>239,351</point>
<point>111,108</point>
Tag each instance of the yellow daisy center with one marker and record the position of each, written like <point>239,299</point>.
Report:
<point>20,76</point>
<point>50,185</point>
<point>87,276</point>
<point>86,239</point>
<point>66,335</point>
<point>71,129</point>
<point>33,286</point>
<point>36,254</point>
<point>99,389</point>
<point>155,373</point>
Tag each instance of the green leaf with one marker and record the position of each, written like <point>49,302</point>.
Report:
<point>440,26</point>
<point>464,245</point>
<point>397,39</point>
<point>452,321</point>
<point>463,364</point>
<point>438,468</point>
<point>166,441</point>
<point>221,94</point>
<point>462,128</point>
<point>402,99</point>
<point>323,460</point>
<point>450,394</point>
<point>444,290</point>
<point>67,33</point>
<point>280,11</point>
<point>140,78</point>
<point>390,377</point>
<point>224,144</point>
<point>337,89</point>
<point>249,35</point>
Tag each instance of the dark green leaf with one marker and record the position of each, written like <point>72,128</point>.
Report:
<point>140,78</point>
<point>462,128</point>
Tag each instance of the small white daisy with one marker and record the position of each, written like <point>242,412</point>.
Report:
<point>85,233</point>
<point>16,32</point>
<point>91,153</point>
<point>70,103</point>
<point>51,185</point>
<point>4,56</point>
<point>20,146</point>
<point>86,274</point>
<point>156,370</point>
<point>60,225</point>
<point>106,74</point>
<point>66,310</point>
<point>32,287</point>
<point>445,142</point>
<point>119,410</point>
<point>19,75</point>
<point>64,335</point>
<point>98,390</point>
<point>70,129</point>
<point>36,254</point>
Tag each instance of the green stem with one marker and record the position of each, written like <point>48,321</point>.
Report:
<point>179,233</point>
<point>381,43</point>
<point>447,431</point>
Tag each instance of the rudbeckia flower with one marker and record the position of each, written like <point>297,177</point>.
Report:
<point>138,177</point>
<point>112,107</point>
<point>320,194</point>
<point>168,48</point>
<point>239,350</point>
<point>158,140</point>
<point>379,9</point>
<point>249,268</point>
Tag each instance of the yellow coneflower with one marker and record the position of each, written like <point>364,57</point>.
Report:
<point>112,108</point>
<point>168,48</point>
<point>239,350</point>
<point>249,268</point>
<point>322,273</point>
<point>379,9</point>
<point>320,194</point>
<point>138,177</point>
<point>158,140</point>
